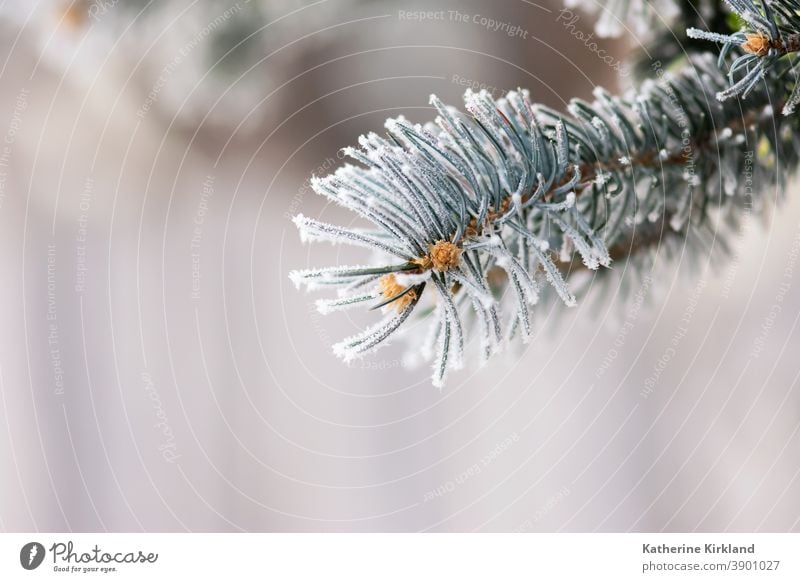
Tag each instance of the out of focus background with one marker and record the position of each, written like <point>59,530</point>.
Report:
<point>159,372</point>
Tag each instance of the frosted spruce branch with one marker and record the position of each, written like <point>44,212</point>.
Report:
<point>771,31</point>
<point>478,215</point>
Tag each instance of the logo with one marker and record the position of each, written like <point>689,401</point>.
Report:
<point>31,555</point>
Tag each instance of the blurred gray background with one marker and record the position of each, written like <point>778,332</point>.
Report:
<point>159,372</point>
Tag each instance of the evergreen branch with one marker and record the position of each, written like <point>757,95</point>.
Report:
<point>768,34</point>
<point>515,197</point>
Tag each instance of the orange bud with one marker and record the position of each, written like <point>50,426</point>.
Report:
<point>444,255</point>
<point>390,287</point>
<point>757,44</point>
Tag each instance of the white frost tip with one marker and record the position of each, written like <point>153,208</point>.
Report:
<point>570,199</point>
<point>300,223</point>
<point>317,183</point>
<point>625,161</point>
<point>339,350</point>
<point>296,278</point>
<point>364,140</point>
